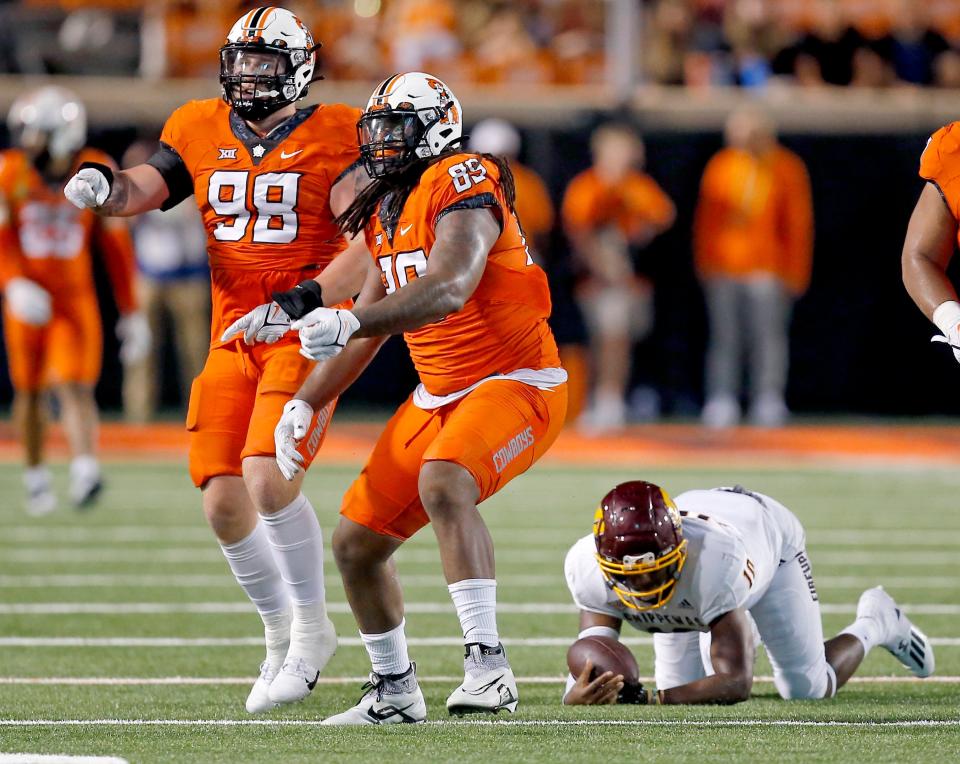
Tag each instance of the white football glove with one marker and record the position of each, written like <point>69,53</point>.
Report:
<point>947,319</point>
<point>88,188</point>
<point>324,332</point>
<point>135,337</point>
<point>265,323</point>
<point>290,430</point>
<point>28,302</point>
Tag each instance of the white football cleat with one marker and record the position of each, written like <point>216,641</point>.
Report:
<point>905,641</point>
<point>40,500</point>
<point>258,701</point>
<point>392,699</point>
<point>85,481</point>
<point>298,676</point>
<point>489,684</point>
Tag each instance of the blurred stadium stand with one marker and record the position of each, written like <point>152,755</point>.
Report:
<point>859,345</point>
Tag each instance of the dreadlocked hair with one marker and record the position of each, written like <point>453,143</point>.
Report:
<point>399,185</point>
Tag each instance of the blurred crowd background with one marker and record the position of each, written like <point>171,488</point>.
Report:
<point>697,43</point>
<point>718,189</point>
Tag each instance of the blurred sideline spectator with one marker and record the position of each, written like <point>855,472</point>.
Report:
<point>535,212</point>
<point>174,291</point>
<point>609,211</point>
<point>753,248</point>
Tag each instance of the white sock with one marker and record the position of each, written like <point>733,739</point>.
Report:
<point>868,630</point>
<point>476,603</point>
<point>255,569</point>
<point>297,544</point>
<point>84,467</point>
<point>388,651</point>
<point>37,479</point>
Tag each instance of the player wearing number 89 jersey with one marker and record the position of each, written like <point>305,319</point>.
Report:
<point>451,272</point>
<point>268,180</point>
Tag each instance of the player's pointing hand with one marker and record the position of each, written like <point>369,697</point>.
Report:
<point>290,430</point>
<point>90,187</point>
<point>324,332</point>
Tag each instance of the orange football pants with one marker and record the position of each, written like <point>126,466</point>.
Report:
<point>496,433</point>
<point>236,402</point>
<point>68,349</point>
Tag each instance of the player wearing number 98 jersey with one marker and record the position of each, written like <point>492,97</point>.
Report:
<point>268,180</point>
<point>450,271</point>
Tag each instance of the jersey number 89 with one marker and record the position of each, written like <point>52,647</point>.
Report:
<point>274,201</point>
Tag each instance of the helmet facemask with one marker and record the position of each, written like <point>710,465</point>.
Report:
<point>392,138</point>
<point>259,79</point>
<point>644,582</point>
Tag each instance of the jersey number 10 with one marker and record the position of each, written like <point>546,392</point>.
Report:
<point>274,201</point>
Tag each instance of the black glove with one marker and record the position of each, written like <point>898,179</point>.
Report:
<point>633,694</point>
<point>300,300</point>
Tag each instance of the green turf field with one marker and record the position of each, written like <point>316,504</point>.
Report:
<point>123,634</point>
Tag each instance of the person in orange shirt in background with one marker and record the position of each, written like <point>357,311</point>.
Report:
<point>533,205</point>
<point>536,214</point>
<point>609,211</point>
<point>50,314</point>
<point>753,251</point>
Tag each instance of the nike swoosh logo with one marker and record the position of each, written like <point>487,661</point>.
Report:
<point>404,229</point>
<point>481,690</point>
<point>285,155</point>
<point>389,712</point>
<point>311,685</point>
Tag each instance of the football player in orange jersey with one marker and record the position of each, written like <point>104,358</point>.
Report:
<point>932,236</point>
<point>269,180</point>
<point>51,318</point>
<point>451,271</point>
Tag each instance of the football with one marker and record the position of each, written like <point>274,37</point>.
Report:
<point>607,654</point>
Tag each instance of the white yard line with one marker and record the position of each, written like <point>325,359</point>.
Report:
<point>219,608</point>
<point>483,722</point>
<point>102,681</point>
<point>48,758</point>
<point>343,641</point>
<point>521,537</point>
<point>45,556</point>
<point>184,580</point>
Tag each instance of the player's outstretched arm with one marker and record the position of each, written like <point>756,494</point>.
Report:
<point>732,654</point>
<point>324,384</point>
<point>457,261</point>
<point>927,249</point>
<point>120,193</point>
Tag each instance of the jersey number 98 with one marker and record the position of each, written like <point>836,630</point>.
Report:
<point>274,201</point>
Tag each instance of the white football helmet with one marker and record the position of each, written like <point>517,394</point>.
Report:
<point>409,116</point>
<point>267,62</point>
<point>50,118</point>
<point>495,136</point>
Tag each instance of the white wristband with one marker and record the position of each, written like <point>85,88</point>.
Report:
<point>599,631</point>
<point>947,316</point>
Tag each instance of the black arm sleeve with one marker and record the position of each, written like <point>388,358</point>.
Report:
<point>175,174</point>
<point>485,200</point>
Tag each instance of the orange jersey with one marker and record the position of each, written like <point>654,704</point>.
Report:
<point>44,238</point>
<point>940,165</point>
<point>590,204</point>
<point>755,215</point>
<point>265,202</point>
<point>503,325</point>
